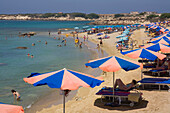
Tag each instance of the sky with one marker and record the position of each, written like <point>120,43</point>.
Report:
<point>84,6</point>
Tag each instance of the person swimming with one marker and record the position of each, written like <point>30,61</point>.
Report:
<point>33,44</point>
<point>15,93</point>
<point>32,56</point>
<point>59,45</point>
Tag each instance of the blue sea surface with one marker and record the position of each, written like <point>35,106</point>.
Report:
<point>15,64</point>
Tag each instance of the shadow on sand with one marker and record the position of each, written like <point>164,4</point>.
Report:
<point>142,104</point>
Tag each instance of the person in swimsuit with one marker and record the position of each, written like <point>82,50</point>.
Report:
<point>122,86</point>
<point>15,93</point>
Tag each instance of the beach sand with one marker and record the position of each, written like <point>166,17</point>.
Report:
<point>86,101</point>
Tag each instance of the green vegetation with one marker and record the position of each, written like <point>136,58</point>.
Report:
<point>83,15</point>
<point>151,16</point>
<point>118,15</point>
<point>92,16</point>
<point>143,13</point>
<point>165,15</point>
<point>46,15</point>
<point>61,14</point>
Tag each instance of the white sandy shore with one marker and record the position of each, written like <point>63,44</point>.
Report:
<point>87,102</point>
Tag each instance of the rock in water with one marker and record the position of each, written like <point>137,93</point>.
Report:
<point>22,47</point>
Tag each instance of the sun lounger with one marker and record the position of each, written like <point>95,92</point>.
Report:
<point>151,66</point>
<point>120,94</point>
<point>159,71</point>
<point>145,61</point>
<point>155,81</point>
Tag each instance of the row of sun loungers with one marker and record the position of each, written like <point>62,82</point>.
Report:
<point>155,81</point>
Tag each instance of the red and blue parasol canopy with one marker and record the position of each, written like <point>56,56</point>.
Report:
<point>64,79</point>
<point>113,64</point>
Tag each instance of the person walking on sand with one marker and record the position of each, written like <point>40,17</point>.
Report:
<point>101,42</point>
<point>16,95</point>
<point>84,38</point>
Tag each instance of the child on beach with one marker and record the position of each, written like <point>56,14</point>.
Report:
<point>15,93</point>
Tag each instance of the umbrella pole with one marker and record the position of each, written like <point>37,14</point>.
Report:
<point>64,102</point>
<point>142,71</point>
<point>113,85</point>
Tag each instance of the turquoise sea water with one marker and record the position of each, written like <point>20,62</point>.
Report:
<point>15,64</point>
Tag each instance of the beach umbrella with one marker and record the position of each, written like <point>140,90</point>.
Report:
<point>143,53</point>
<point>99,34</point>
<point>161,36</point>
<point>123,39</point>
<point>166,30</point>
<point>158,47</point>
<point>64,79</point>
<point>6,108</point>
<point>113,64</point>
<point>123,35</point>
<point>163,40</point>
<point>85,27</point>
<point>89,29</point>
<point>76,28</point>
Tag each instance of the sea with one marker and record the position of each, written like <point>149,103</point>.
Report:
<point>15,64</point>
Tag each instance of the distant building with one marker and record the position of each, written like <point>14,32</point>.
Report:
<point>150,13</point>
<point>106,16</point>
<point>134,13</point>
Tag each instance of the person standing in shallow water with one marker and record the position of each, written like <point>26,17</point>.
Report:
<point>65,42</point>
<point>80,45</point>
<point>16,94</point>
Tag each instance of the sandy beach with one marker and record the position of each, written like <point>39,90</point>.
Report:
<point>86,101</point>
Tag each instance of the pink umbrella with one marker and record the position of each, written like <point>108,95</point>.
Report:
<point>158,47</point>
<point>159,37</point>
<point>6,108</point>
<point>64,79</point>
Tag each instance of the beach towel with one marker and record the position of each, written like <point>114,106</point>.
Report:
<point>134,97</point>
